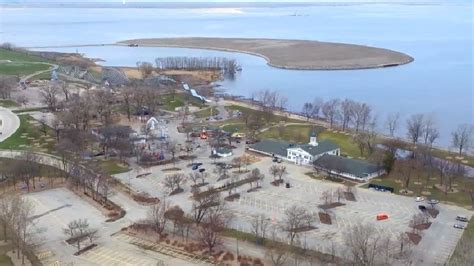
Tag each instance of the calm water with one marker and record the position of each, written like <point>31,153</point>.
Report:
<point>439,36</point>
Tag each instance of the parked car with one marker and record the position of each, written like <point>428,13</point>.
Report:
<point>276,160</point>
<point>433,201</point>
<point>458,226</point>
<point>461,218</point>
<point>419,199</point>
<point>422,208</point>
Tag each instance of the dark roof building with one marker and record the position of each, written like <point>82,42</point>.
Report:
<point>297,153</point>
<point>347,167</point>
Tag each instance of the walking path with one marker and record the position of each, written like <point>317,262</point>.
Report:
<point>9,123</point>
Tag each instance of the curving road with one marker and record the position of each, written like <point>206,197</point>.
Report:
<point>9,123</point>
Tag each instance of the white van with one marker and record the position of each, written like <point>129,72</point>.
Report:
<point>461,218</point>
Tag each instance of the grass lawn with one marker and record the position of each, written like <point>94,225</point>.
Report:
<point>27,135</point>
<point>232,233</point>
<point>273,120</point>
<point>179,99</point>
<point>458,198</point>
<point>113,166</point>
<point>204,113</point>
<point>18,56</point>
<point>42,76</point>
<point>463,254</point>
<point>21,63</point>
<point>300,134</point>
<point>233,128</point>
<point>21,68</point>
<point>25,110</point>
<point>8,103</point>
<point>4,259</point>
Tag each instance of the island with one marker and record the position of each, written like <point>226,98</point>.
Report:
<point>290,54</point>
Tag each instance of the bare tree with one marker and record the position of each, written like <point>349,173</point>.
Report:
<point>347,110</point>
<point>50,97</point>
<point>194,177</point>
<point>366,246</point>
<point>307,110</point>
<point>44,125</point>
<point>260,225</point>
<point>145,68</point>
<point>392,123</point>
<point>330,111</point>
<point>156,216</point>
<point>7,84</point>
<point>213,223</point>
<point>295,219</point>
<point>174,182</point>
<point>203,202</point>
<point>317,105</point>
<point>415,127</point>
<point>274,169</point>
<point>278,254</point>
<point>78,231</point>
<point>417,220</point>
<point>462,137</point>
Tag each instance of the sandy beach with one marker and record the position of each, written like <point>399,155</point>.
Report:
<point>291,54</point>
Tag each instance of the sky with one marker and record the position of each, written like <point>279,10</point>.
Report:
<point>162,1</point>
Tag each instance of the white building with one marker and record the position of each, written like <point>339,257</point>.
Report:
<point>299,154</point>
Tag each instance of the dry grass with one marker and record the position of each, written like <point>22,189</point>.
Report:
<point>292,54</point>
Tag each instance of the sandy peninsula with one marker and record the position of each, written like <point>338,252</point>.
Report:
<point>291,54</point>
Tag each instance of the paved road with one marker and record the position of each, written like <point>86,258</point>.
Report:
<point>9,123</point>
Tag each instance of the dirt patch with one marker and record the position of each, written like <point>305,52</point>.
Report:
<point>445,189</point>
<point>85,249</point>
<point>349,196</point>
<point>143,175</point>
<point>422,226</point>
<point>172,169</point>
<point>414,238</point>
<point>277,182</point>
<point>324,218</point>
<point>292,54</point>
<point>232,197</point>
<point>331,205</point>
<point>145,199</point>
<point>200,184</point>
<point>254,189</point>
<point>433,212</point>
<point>176,191</point>
<point>304,229</point>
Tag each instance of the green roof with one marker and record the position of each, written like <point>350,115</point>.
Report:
<point>341,164</point>
<point>322,147</point>
<point>271,146</point>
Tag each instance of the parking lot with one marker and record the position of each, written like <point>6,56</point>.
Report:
<point>273,201</point>
<point>55,208</point>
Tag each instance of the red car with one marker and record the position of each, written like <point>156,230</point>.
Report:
<point>382,216</point>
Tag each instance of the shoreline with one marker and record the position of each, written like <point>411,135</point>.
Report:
<point>290,54</point>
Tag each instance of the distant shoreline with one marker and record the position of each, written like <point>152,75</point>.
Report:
<point>290,54</point>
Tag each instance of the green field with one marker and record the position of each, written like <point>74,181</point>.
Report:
<point>21,63</point>
<point>171,102</point>
<point>274,119</point>
<point>458,198</point>
<point>300,134</point>
<point>113,166</point>
<point>8,103</point>
<point>463,254</point>
<point>204,113</point>
<point>21,68</point>
<point>29,136</point>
